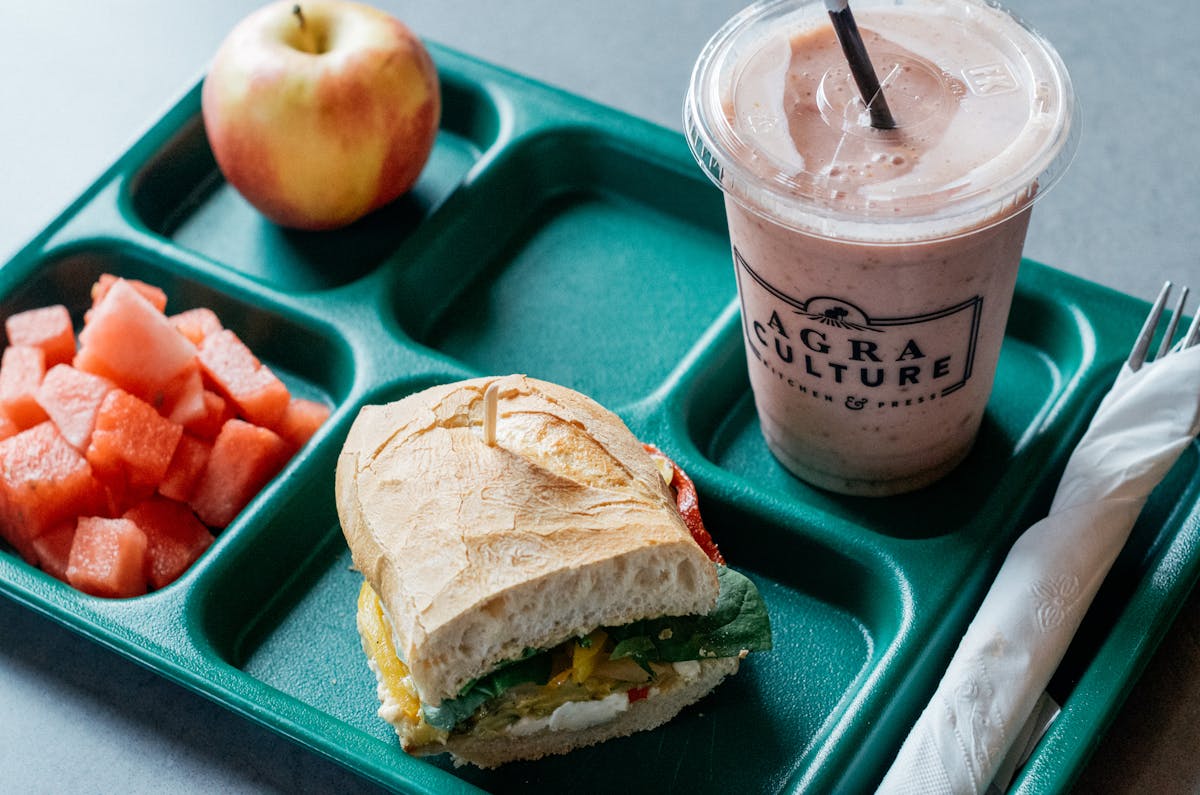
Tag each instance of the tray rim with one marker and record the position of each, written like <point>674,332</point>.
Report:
<point>1100,709</point>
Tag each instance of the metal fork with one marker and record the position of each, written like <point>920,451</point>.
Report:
<point>1141,347</point>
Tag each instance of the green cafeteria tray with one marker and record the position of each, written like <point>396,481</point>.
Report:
<point>551,236</point>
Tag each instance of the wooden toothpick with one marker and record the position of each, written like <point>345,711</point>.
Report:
<point>489,414</point>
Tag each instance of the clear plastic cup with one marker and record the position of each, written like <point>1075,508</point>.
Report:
<point>876,267</point>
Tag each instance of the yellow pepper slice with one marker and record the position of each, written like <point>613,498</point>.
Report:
<point>585,655</point>
<point>378,637</point>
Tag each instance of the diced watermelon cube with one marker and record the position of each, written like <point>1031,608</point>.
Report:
<point>71,398</point>
<point>16,534</point>
<point>196,324</point>
<point>244,457</point>
<point>7,426</point>
<point>155,295</point>
<point>108,557</point>
<point>183,398</point>
<point>118,493</point>
<point>21,371</point>
<point>300,420</point>
<point>217,410</point>
<point>130,342</point>
<point>48,328</point>
<point>133,440</point>
<point>53,549</point>
<point>176,538</point>
<point>257,392</point>
<point>43,481</point>
<point>187,463</point>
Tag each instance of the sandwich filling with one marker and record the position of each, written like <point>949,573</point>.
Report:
<point>583,681</point>
<point>579,683</point>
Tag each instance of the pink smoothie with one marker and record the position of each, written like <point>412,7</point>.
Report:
<point>876,267</point>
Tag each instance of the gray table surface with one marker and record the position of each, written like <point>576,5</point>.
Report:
<point>79,81</point>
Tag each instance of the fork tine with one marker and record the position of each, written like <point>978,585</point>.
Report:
<point>1172,324</point>
<point>1193,333</point>
<point>1137,356</point>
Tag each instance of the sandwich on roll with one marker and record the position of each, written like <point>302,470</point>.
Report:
<point>535,579</point>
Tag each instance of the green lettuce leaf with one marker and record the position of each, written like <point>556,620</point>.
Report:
<point>739,622</point>
<point>535,666</point>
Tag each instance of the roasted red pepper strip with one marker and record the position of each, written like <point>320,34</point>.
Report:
<point>689,506</point>
<point>637,693</point>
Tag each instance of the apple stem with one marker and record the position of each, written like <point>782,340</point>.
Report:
<point>299,15</point>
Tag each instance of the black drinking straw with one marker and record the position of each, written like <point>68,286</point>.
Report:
<point>860,64</point>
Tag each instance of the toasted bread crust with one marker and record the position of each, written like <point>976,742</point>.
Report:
<point>479,552</point>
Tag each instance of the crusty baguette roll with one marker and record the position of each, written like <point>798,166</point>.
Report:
<point>481,552</point>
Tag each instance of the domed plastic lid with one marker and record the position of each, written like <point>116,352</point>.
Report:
<point>986,118</point>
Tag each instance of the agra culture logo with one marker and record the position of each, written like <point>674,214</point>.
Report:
<point>833,349</point>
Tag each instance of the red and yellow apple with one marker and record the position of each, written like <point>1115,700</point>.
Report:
<point>320,112</point>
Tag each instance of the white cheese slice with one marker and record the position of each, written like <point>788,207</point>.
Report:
<point>573,716</point>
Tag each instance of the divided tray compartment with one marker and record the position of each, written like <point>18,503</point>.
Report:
<point>580,260</point>
<point>552,236</point>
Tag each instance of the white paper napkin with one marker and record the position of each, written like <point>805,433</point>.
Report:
<point>1048,580</point>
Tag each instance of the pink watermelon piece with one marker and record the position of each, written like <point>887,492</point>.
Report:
<point>132,440</point>
<point>183,398</point>
<point>153,294</point>
<point>53,549</point>
<point>244,457</point>
<point>300,421</point>
<point>196,324</point>
<point>43,481</point>
<point>7,426</point>
<point>108,557</point>
<point>187,464</point>
<point>72,398</point>
<point>175,538</point>
<point>48,328</point>
<point>217,410</point>
<point>257,392</point>
<point>22,368</point>
<point>130,342</point>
